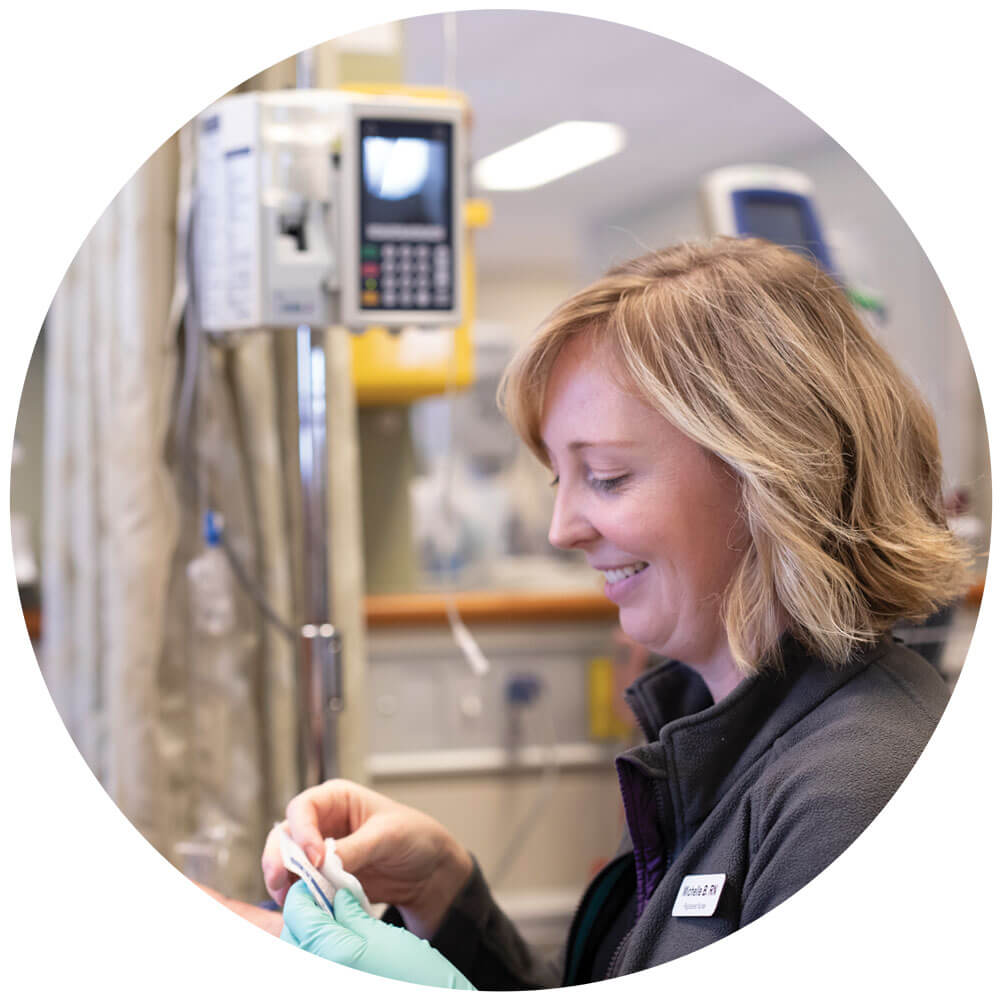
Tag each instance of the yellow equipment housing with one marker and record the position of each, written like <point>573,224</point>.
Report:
<point>397,368</point>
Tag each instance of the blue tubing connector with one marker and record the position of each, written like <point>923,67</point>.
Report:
<point>212,527</point>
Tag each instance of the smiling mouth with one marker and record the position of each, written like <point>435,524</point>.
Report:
<point>624,572</point>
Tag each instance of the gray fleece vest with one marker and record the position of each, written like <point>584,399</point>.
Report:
<point>766,787</point>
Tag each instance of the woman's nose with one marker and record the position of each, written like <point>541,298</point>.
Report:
<point>569,527</point>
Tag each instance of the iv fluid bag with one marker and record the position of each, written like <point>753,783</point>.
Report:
<point>211,593</point>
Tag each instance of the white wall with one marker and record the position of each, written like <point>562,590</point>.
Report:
<point>521,301</point>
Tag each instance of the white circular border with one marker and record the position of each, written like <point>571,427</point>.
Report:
<point>90,90</point>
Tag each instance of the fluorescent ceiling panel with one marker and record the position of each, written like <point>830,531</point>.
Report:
<point>547,155</point>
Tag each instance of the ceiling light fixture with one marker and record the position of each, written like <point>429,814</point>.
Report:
<point>547,155</point>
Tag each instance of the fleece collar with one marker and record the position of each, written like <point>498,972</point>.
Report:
<point>697,749</point>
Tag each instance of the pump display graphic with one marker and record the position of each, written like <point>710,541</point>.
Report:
<point>405,215</point>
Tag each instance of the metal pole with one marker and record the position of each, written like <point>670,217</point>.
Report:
<point>320,685</point>
<point>305,69</point>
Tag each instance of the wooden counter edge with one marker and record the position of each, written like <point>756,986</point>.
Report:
<point>508,607</point>
<point>486,607</point>
<point>405,610</point>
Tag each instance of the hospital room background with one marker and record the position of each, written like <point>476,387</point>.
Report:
<point>301,543</point>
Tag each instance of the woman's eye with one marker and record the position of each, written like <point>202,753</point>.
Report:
<point>555,482</point>
<point>607,485</point>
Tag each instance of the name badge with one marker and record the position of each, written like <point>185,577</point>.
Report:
<point>698,896</point>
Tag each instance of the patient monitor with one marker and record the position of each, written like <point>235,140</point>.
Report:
<point>774,203</point>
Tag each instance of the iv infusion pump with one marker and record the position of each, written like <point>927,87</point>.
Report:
<point>322,207</point>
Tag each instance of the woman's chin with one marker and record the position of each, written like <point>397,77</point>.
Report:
<point>637,628</point>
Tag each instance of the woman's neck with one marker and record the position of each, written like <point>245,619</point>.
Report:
<point>719,673</point>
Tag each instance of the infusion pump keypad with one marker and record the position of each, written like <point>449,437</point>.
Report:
<point>406,276</point>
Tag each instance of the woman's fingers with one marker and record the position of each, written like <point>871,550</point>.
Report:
<point>317,813</point>
<point>389,847</point>
<point>334,809</point>
<point>277,878</point>
<point>358,850</point>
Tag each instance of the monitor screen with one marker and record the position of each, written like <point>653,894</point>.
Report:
<point>782,222</point>
<point>784,218</point>
<point>407,259</point>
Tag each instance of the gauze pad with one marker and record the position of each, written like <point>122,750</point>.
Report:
<point>321,882</point>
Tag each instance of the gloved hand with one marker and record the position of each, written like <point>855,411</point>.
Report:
<point>359,941</point>
<point>400,855</point>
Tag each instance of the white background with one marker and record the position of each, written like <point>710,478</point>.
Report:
<point>90,90</point>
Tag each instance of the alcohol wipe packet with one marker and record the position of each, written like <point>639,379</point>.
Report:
<point>322,882</point>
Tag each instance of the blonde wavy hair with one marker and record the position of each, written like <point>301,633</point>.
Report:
<point>757,355</point>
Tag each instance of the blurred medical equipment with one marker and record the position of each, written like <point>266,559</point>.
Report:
<point>778,204</point>
<point>210,579</point>
<point>774,203</point>
<point>319,209</point>
<point>329,208</point>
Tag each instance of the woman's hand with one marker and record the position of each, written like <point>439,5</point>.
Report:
<point>401,856</point>
<point>354,939</point>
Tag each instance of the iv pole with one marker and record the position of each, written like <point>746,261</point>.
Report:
<point>320,674</point>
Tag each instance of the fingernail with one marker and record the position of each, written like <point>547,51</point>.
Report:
<point>314,854</point>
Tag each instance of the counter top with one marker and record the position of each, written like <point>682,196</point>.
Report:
<point>487,607</point>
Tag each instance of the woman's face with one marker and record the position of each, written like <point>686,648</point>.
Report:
<point>647,506</point>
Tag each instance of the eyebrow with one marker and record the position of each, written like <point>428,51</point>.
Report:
<point>580,445</point>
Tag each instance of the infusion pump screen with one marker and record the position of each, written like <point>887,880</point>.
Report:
<point>781,221</point>
<point>406,225</point>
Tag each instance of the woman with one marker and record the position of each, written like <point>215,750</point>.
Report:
<point>761,488</point>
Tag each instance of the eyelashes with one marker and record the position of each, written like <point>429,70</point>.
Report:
<point>601,485</point>
<point>607,485</point>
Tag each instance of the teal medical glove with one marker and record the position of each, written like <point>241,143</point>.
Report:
<point>361,942</point>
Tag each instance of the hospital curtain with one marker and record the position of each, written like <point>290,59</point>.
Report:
<point>193,736</point>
